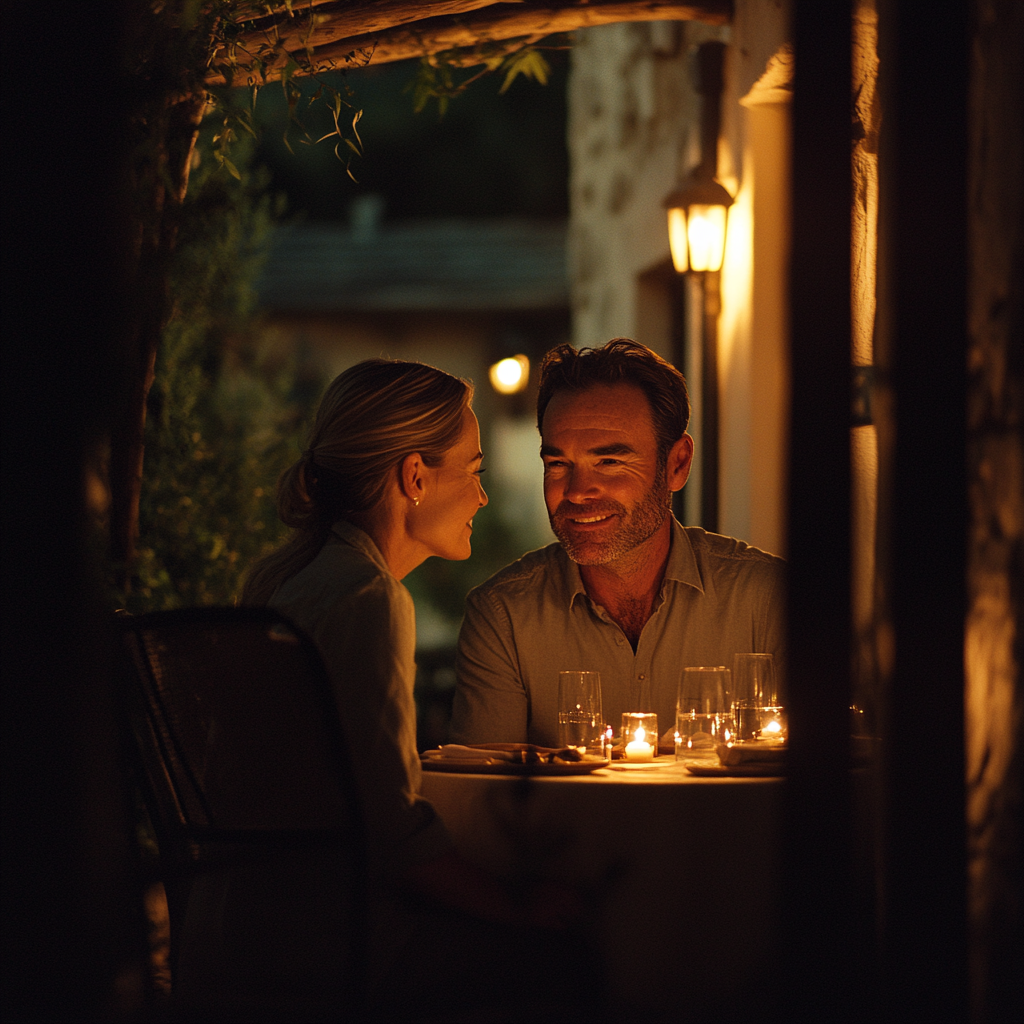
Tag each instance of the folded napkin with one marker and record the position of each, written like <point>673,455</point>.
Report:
<point>752,752</point>
<point>517,753</point>
<point>455,751</point>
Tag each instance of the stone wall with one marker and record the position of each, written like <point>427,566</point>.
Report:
<point>995,580</point>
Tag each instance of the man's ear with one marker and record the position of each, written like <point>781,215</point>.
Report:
<point>412,477</point>
<point>680,458</point>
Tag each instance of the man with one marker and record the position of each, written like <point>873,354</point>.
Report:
<point>627,591</point>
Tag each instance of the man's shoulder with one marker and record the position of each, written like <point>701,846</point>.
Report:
<point>524,575</point>
<point>719,558</point>
<point>717,546</point>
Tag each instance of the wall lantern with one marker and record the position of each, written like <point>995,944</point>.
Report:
<point>510,376</point>
<point>697,215</point>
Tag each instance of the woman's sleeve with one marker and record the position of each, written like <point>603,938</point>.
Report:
<point>368,643</point>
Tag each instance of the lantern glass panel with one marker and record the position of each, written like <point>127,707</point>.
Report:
<point>677,239</point>
<point>705,230</point>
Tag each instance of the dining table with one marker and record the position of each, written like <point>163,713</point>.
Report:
<point>680,873</point>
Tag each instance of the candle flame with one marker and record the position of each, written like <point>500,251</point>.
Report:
<point>640,735</point>
<point>772,727</point>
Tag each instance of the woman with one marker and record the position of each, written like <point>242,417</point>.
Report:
<point>391,476</point>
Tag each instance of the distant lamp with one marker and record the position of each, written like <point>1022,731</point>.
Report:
<point>510,376</point>
<point>697,216</point>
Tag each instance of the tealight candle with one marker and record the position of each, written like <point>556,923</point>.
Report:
<point>640,735</point>
<point>639,749</point>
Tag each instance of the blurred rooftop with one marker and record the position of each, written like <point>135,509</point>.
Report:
<point>423,265</point>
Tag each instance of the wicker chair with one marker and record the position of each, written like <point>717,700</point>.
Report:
<point>247,781</point>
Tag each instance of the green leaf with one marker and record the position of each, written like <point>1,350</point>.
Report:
<point>529,63</point>
<point>232,169</point>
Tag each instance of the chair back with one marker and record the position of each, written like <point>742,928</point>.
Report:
<point>249,787</point>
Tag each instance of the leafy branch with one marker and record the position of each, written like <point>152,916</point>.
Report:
<point>436,76</point>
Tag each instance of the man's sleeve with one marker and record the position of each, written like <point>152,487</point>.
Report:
<point>490,705</point>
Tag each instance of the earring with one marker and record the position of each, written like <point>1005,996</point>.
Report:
<point>415,502</point>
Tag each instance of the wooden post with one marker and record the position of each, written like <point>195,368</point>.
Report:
<point>817,907</point>
<point>923,522</point>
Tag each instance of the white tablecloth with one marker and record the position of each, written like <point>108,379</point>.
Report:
<point>685,872</point>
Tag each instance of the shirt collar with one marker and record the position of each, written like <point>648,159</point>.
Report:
<point>682,562</point>
<point>681,566</point>
<point>361,541</point>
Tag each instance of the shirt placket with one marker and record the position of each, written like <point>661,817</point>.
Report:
<point>640,684</point>
<point>640,691</point>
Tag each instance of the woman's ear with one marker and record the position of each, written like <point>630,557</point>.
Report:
<point>412,478</point>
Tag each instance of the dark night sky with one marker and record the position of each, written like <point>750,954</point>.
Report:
<point>490,155</point>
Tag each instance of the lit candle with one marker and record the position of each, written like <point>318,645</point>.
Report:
<point>639,749</point>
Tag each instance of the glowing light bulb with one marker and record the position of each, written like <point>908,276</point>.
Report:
<point>511,375</point>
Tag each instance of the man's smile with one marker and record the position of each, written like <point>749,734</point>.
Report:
<point>593,518</point>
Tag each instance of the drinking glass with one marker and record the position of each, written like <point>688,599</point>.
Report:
<point>703,715</point>
<point>580,719</point>
<point>755,696</point>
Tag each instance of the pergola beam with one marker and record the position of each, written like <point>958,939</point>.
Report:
<point>321,38</point>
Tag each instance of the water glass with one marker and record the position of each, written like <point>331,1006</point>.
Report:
<point>580,718</point>
<point>703,712</point>
<point>756,707</point>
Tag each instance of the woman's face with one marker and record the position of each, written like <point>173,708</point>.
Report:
<point>443,523</point>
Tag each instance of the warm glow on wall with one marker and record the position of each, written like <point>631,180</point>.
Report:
<point>509,376</point>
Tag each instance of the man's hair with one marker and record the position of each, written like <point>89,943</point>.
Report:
<point>621,361</point>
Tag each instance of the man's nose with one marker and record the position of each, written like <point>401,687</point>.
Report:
<point>483,494</point>
<point>580,484</point>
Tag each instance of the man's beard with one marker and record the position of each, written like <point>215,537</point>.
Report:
<point>635,525</point>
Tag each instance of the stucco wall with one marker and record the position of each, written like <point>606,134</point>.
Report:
<point>633,134</point>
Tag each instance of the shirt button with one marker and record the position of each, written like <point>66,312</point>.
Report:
<point>641,676</point>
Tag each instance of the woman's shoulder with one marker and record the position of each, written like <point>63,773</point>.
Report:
<point>342,580</point>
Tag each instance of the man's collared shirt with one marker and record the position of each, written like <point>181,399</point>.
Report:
<point>533,619</point>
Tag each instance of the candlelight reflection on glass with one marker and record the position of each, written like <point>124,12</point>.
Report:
<point>580,721</point>
<point>703,713</point>
<point>640,736</point>
<point>759,715</point>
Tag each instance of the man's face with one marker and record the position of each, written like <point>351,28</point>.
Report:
<point>604,487</point>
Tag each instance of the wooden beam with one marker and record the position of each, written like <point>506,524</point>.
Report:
<point>471,32</point>
<point>329,20</point>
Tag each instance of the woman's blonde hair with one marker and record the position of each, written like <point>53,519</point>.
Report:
<point>371,417</point>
